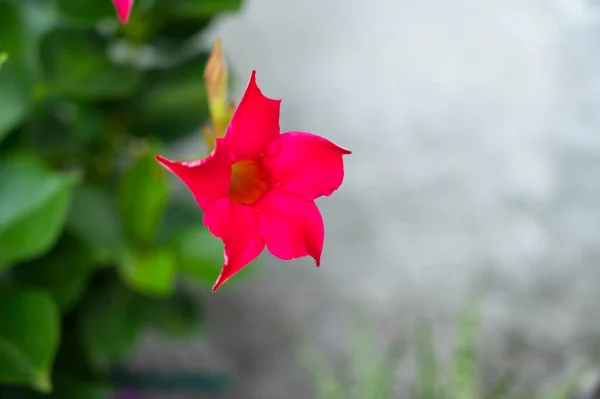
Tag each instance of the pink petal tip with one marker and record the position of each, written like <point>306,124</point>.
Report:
<point>123,8</point>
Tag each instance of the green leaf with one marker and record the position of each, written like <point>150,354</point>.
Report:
<point>22,23</point>
<point>63,272</point>
<point>148,271</point>
<point>29,336</point>
<point>173,103</point>
<point>143,195</point>
<point>93,219</point>
<point>3,58</point>
<point>465,363</point>
<point>85,12</point>
<point>176,315</point>
<point>33,209</point>
<point>199,254</point>
<point>427,363</point>
<point>76,64</point>
<point>110,325</point>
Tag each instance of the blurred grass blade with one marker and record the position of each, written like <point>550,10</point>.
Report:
<point>364,363</point>
<point>465,367</point>
<point>323,379</point>
<point>569,387</point>
<point>3,58</point>
<point>385,387</point>
<point>504,387</point>
<point>427,363</point>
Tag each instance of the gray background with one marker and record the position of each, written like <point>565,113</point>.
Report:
<point>476,163</point>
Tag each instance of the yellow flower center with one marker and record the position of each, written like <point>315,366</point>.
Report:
<point>249,181</point>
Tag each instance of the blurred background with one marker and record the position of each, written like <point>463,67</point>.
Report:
<point>473,180</point>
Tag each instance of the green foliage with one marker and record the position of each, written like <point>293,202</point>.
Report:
<point>198,254</point>
<point>142,198</point>
<point>33,210</point>
<point>76,65</point>
<point>117,313</point>
<point>29,334</point>
<point>372,378</point>
<point>149,271</point>
<point>91,243</point>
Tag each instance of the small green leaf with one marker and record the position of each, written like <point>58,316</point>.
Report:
<point>29,336</point>
<point>110,325</point>
<point>76,64</point>
<point>3,58</point>
<point>93,219</point>
<point>63,272</point>
<point>173,103</point>
<point>33,209</point>
<point>143,195</point>
<point>177,315</point>
<point>85,12</point>
<point>149,271</point>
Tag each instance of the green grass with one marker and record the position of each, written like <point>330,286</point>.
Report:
<point>373,378</point>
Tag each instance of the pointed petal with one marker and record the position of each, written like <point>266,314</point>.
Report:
<point>255,123</point>
<point>237,225</point>
<point>307,165</point>
<point>292,226</point>
<point>123,8</point>
<point>208,179</point>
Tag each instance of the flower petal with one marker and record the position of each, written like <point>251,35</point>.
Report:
<point>237,225</point>
<point>255,123</point>
<point>123,8</point>
<point>208,179</point>
<point>307,165</point>
<point>292,226</point>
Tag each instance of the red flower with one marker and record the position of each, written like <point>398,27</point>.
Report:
<point>258,186</point>
<point>123,9</point>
